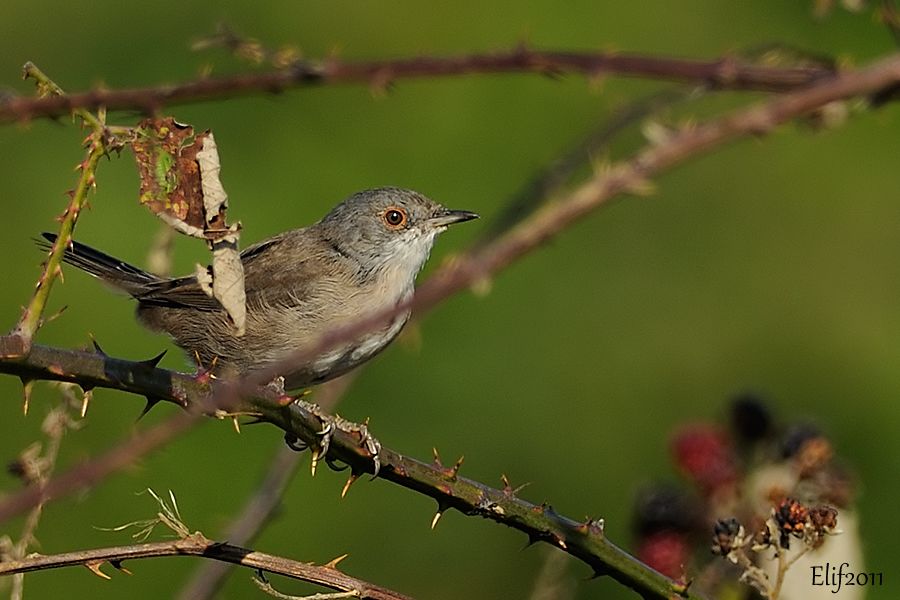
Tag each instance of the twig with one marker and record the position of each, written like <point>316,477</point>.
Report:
<point>19,342</point>
<point>198,545</point>
<point>35,465</point>
<point>551,179</point>
<point>723,73</point>
<point>88,473</point>
<point>267,588</point>
<point>47,88</point>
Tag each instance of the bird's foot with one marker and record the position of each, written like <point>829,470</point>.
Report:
<point>330,424</point>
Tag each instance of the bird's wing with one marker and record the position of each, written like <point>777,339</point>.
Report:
<point>270,278</point>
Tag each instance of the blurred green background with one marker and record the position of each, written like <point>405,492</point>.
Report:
<point>771,265</point>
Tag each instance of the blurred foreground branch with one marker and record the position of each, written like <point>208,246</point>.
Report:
<point>723,73</point>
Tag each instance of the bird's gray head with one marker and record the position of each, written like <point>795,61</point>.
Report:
<point>388,228</point>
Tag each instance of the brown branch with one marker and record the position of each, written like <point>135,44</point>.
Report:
<point>197,545</point>
<point>582,540</point>
<point>551,179</point>
<point>723,73</point>
<point>98,145</point>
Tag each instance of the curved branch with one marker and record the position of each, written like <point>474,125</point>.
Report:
<point>197,545</point>
<point>723,73</point>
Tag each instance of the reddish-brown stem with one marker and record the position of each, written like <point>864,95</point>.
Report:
<point>722,73</point>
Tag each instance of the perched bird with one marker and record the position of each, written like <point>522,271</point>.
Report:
<point>363,257</point>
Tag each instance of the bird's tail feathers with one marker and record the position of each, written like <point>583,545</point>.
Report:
<point>113,271</point>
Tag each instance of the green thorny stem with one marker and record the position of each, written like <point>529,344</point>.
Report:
<point>98,145</point>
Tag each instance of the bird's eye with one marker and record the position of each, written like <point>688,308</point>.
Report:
<point>395,218</point>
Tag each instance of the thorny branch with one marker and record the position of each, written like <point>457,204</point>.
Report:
<point>198,545</point>
<point>724,73</point>
<point>32,318</point>
<point>584,540</point>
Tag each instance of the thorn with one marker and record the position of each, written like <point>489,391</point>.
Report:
<point>437,517</point>
<point>508,490</point>
<point>315,461</point>
<point>333,563</point>
<point>350,481</point>
<point>85,400</point>
<point>27,386</point>
<point>533,539</point>
<point>454,470</point>
<point>94,566</point>
<point>442,508</point>
<point>55,315</point>
<point>237,425</point>
<point>151,402</point>
<point>152,362</point>
<point>117,564</point>
<point>438,464</point>
<point>97,347</point>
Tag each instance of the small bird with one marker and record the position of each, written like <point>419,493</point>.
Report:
<point>362,258</point>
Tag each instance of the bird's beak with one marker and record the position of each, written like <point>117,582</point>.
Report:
<point>444,216</point>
